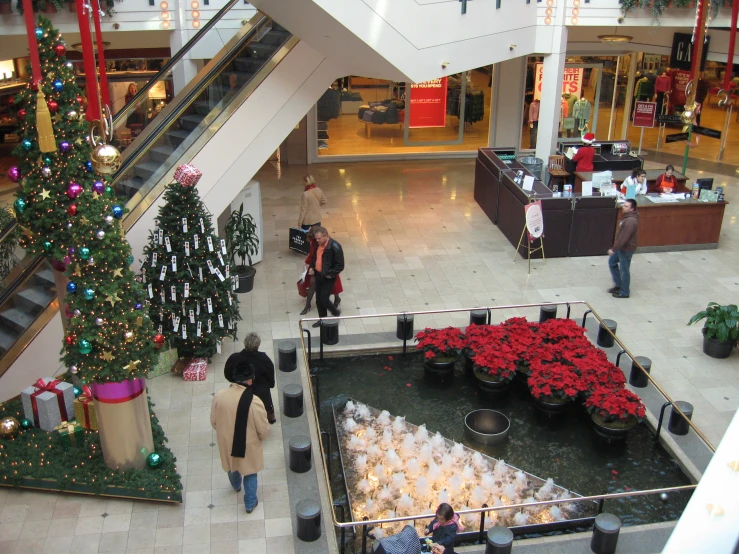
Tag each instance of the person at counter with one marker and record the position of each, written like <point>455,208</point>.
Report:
<point>638,178</point>
<point>584,156</point>
<point>667,181</point>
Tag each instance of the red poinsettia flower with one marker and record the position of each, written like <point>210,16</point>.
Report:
<point>497,360</point>
<point>555,380</point>
<point>440,342</point>
<point>615,404</point>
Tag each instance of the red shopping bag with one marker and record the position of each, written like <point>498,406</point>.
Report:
<point>303,286</point>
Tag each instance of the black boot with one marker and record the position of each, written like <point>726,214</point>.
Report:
<point>271,416</point>
<point>337,301</point>
<point>306,309</point>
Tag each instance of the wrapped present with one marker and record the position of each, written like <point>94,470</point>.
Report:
<point>84,409</point>
<point>195,371</point>
<point>165,363</point>
<point>70,433</point>
<point>187,175</point>
<point>48,402</point>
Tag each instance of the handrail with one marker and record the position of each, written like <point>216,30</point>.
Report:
<point>9,228</point>
<point>20,279</point>
<point>570,303</point>
<point>144,91</point>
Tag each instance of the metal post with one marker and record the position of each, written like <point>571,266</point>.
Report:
<point>490,316</point>
<point>364,536</point>
<point>615,98</point>
<point>310,353</point>
<point>567,316</point>
<point>320,334</point>
<point>328,453</point>
<point>405,326</point>
<point>584,317</point>
<point>339,506</point>
<point>641,139</point>
<point>482,525</point>
<point>659,423</point>
<point>728,103</point>
<point>600,505</point>
<point>618,357</point>
<point>316,392</point>
<point>687,149</point>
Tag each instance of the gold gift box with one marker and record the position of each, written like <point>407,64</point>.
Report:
<point>82,403</point>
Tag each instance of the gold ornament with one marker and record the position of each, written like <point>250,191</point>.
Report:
<point>118,273</point>
<point>112,299</point>
<point>128,335</point>
<point>688,114</point>
<point>132,365</point>
<point>77,272</point>
<point>139,321</point>
<point>107,356</point>
<point>96,196</point>
<point>105,159</point>
<point>45,194</point>
<point>9,427</point>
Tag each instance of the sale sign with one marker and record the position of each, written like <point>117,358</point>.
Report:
<point>534,220</point>
<point>428,104</point>
<point>680,80</point>
<point>571,82</point>
<point>644,114</point>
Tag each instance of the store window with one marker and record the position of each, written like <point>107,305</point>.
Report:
<point>361,116</point>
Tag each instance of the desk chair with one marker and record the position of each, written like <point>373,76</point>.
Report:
<point>557,171</point>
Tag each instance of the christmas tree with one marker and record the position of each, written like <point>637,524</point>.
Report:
<point>186,273</point>
<point>51,181</point>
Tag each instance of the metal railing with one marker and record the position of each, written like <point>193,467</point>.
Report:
<point>484,510</point>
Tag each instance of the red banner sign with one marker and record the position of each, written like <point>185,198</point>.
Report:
<point>644,114</point>
<point>428,104</point>
<point>680,80</point>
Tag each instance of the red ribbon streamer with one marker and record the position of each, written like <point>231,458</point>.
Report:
<point>101,56</point>
<point>85,398</point>
<point>32,41</point>
<point>88,61</point>
<point>42,387</point>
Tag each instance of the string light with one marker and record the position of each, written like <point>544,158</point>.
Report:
<point>196,24</point>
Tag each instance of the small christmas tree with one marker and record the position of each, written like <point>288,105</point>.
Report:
<point>51,181</point>
<point>186,273</point>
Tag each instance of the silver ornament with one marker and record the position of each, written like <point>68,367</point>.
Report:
<point>99,321</point>
<point>109,219</point>
<point>77,313</point>
<point>69,225</point>
<point>72,115</point>
<point>69,65</point>
<point>73,369</point>
<point>101,234</point>
<point>91,261</point>
<point>45,171</point>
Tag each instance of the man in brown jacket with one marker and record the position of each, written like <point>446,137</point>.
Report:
<point>240,421</point>
<point>622,250</point>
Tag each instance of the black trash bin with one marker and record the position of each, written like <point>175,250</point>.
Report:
<point>292,400</point>
<point>330,331</point>
<point>604,337</point>
<point>287,356</point>
<point>404,327</point>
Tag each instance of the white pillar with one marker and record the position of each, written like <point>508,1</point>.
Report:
<point>509,87</point>
<point>629,96</point>
<point>551,91</point>
<point>187,68</point>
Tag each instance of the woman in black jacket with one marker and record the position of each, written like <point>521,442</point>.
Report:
<point>264,371</point>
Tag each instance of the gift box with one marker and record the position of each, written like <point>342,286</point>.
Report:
<point>84,410</point>
<point>48,402</point>
<point>165,363</point>
<point>187,175</point>
<point>195,371</point>
<point>70,434</point>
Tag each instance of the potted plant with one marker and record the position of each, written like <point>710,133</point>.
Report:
<point>521,335</point>
<point>614,411</point>
<point>495,367</point>
<point>477,337</point>
<point>242,241</point>
<point>554,385</point>
<point>720,331</point>
<point>441,348</point>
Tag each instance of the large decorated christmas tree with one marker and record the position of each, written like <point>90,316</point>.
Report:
<point>187,275</point>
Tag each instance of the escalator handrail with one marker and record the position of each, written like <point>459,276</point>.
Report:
<point>144,91</point>
<point>184,98</point>
<point>22,278</point>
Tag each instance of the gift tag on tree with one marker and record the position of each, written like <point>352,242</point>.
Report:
<point>230,300</point>
<point>173,293</point>
<point>209,240</point>
<point>187,248</point>
<point>153,259</point>
<point>202,226</point>
<point>218,347</point>
<point>150,288</point>
<point>187,290</point>
<point>210,305</point>
<point>161,236</point>
<point>184,309</point>
<point>223,247</point>
<point>195,241</point>
<point>220,259</point>
<point>161,318</point>
<point>197,307</point>
<point>162,296</point>
<point>143,278</point>
<point>174,263</point>
<point>200,274</point>
<point>220,275</point>
<point>168,244</point>
<point>192,316</point>
<point>184,225</point>
<point>210,326</point>
<point>220,320</point>
<point>163,273</point>
<point>199,330</point>
<point>210,266</point>
<point>160,329</point>
<point>189,270</point>
<point>184,332</point>
<point>176,324</point>
<point>230,324</point>
<point>228,272</point>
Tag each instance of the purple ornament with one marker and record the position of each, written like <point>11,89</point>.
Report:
<point>64,146</point>
<point>70,250</point>
<point>74,190</point>
<point>68,311</point>
<point>59,266</point>
<point>67,260</point>
<point>98,187</point>
<point>14,173</point>
<point>138,305</point>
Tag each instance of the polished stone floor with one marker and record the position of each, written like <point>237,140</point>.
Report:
<point>414,239</point>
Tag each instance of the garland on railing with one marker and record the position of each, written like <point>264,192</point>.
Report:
<point>658,7</point>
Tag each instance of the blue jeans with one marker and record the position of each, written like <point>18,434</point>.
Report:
<point>620,264</point>
<point>250,487</point>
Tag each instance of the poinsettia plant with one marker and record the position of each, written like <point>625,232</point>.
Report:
<point>498,361</point>
<point>555,381</point>
<point>480,336</point>
<point>440,343</point>
<point>615,405</point>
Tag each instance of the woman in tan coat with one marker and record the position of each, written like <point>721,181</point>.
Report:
<point>240,421</point>
<point>310,204</point>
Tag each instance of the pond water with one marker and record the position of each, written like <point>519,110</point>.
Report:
<point>564,447</point>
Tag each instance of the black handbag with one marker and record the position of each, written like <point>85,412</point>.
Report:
<point>299,240</point>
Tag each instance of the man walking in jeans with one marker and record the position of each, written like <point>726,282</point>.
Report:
<point>326,265</point>
<point>240,421</point>
<point>620,253</point>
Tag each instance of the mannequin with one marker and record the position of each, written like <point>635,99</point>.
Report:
<point>581,112</point>
<point>533,122</point>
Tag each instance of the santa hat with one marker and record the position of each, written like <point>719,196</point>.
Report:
<point>588,138</point>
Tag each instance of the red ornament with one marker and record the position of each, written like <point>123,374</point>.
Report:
<point>72,209</point>
<point>70,340</point>
<point>60,49</point>
<point>34,87</point>
<point>53,106</point>
<point>80,100</point>
<point>158,338</point>
<point>22,114</point>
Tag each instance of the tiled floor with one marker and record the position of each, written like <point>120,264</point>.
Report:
<point>414,239</point>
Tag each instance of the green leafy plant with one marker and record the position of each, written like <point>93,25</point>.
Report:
<point>241,237</point>
<point>720,321</point>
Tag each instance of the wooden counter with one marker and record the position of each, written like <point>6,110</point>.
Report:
<point>682,225</point>
<point>620,176</point>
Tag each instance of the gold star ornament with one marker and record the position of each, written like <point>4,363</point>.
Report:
<point>107,356</point>
<point>118,272</point>
<point>45,194</point>
<point>113,299</point>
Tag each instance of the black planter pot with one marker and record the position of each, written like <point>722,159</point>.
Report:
<point>491,387</point>
<point>716,348</point>
<point>611,432</point>
<point>468,364</point>
<point>246,279</point>
<point>440,367</point>
<point>552,408</point>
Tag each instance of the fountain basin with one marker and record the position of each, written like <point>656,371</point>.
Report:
<point>487,426</point>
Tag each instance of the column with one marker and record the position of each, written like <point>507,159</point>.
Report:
<point>551,92</point>
<point>187,68</point>
<point>629,96</point>
<point>506,113</point>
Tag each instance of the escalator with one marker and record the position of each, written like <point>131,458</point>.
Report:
<point>152,146</point>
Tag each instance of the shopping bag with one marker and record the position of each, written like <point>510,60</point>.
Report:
<point>299,241</point>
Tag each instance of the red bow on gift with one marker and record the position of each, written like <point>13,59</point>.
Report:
<point>86,395</point>
<point>44,386</point>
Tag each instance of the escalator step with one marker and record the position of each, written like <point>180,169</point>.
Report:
<point>16,319</point>
<point>161,153</point>
<point>7,340</point>
<point>45,277</point>
<point>146,169</point>
<point>34,299</point>
<point>176,136</point>
<point>190,121</point>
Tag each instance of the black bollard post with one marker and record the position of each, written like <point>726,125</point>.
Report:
<point>605,534</point>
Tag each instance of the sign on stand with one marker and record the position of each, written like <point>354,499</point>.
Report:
<point>706,132</point>
<point>674,119</point>
<point>676,137</point>
<point>534,228</point>
<point>644,114</point>
<point>428,104</point>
